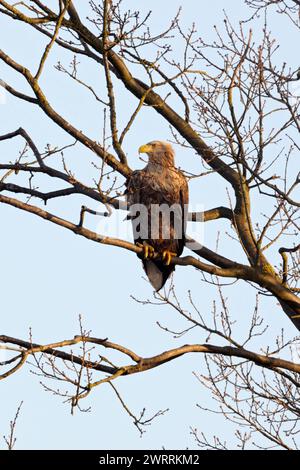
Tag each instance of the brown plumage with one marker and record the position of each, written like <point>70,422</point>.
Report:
<point>159,185</point>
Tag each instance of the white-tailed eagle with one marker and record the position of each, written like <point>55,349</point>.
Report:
<point>158,200</point>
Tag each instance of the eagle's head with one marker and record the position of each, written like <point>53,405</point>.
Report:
<point>159,153</point>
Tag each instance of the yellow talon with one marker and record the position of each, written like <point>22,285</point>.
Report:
<point>148,250</point>
<point>151,251</point>
<point>167,256</point>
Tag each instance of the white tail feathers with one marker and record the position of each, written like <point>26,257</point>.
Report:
<point>154,274</point>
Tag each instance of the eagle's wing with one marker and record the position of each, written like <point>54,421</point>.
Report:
<point>136,195</point>
<point>134,186</point>
<point>183,202</point>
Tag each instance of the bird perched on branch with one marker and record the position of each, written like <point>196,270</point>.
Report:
<point>158,200</point>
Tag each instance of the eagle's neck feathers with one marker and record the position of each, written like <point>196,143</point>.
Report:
<point>160,163</point>
<point>156,168</point>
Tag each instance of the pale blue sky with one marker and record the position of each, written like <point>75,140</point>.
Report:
<point>50,276</point>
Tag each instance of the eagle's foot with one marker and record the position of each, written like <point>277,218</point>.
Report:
<point>167,256</point>
<point>148,250</point>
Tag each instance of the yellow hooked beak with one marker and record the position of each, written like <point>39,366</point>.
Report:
<point>145,148</point>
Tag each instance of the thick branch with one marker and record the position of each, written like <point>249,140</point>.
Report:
<point>211,214</point>
<point>142,364</point>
